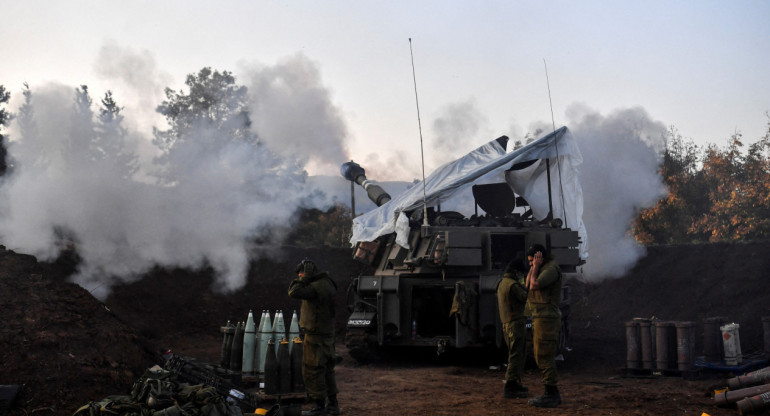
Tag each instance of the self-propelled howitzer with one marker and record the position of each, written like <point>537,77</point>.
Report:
<point>439,289</point>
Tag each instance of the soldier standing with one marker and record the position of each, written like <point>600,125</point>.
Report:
<point>544,283</point>
<point>317,290</point>
<point>511,299</point>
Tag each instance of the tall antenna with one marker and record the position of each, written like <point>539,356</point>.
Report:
<point>422,152</point>
<point>548,83</point>
<point>558,164</point>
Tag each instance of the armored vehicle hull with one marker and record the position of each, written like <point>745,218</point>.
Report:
<point>433,282</point>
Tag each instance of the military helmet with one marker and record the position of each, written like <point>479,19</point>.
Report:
<point>306,266</point>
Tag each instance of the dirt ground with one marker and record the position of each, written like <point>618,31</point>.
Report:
<point>67,348</point>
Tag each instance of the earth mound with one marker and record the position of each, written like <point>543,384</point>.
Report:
<point>58,341</point>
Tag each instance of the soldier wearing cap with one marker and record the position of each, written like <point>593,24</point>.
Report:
<point>316,290</point>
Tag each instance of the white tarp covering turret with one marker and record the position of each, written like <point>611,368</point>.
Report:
<point>491,162</point>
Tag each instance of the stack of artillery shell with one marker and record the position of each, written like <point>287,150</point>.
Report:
<point>750,392</point>
<point>265,350</point>
<point>283,370</point>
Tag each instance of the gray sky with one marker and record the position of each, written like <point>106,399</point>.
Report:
<point>698,65</point>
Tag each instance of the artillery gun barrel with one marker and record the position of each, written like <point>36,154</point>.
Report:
<point>355,173</point>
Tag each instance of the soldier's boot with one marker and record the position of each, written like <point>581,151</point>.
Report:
<point>551,398</point>
<point>318,410</point>
<point>333,407</point>
<point>514,390</point>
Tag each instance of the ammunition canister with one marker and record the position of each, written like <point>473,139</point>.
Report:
<point>685,345</point>
<point>712,338</point>
<point>645,339</point>
<point>633,350</point>
<point>732,343</point>
<point>665,345</point>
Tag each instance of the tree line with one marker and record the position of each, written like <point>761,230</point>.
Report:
<point>714,193</point>
<point>205,117</point>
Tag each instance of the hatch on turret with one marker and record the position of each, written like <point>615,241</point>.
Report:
<point>496,199</point>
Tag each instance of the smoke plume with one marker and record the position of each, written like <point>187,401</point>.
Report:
<point>456,130</point>
<point>225,198</point>
<point>294,115</point>
<point>621,156</point>
<point>135,77</point>
<point>75,181</point>
<point>619,176</point>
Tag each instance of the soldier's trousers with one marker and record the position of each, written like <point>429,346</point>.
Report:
<point>515,338</point>
<point>318,366</point>
<point>545,339</point>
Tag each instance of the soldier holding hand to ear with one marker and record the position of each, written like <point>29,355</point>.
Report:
<point>316,290</point>
<point>544,283</point>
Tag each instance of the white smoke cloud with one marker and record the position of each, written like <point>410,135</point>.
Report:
<point>138,84</point>
<point>622,153</point>
<point>619,176</point>
<point>293,113</point>
<point>133,76</point>
<point>224,196</point>
<point>457,130</point>
<point>232,193</point>
<point>395,164</point>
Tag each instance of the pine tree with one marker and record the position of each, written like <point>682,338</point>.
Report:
<point>30,148</point>
<point>112,137</point>
<point>214,103</point>
<point>5,118</point>
<point>80,147</point>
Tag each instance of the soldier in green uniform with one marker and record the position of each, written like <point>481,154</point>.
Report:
<point>317,290</point>
<point>544,283</point>
<point>511,299</point>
